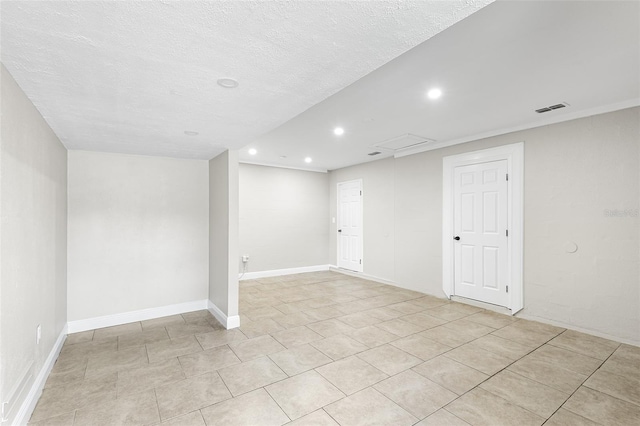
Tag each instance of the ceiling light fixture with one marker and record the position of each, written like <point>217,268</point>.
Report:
<point>307,160</point>
<point>338,131</point>
<point>228,83</point>
<point>253,151</point>
<point>191,133</point>
<point>434,93</point>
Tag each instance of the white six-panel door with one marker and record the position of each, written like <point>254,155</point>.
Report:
<point>350,225</point>
<point>480,232</point>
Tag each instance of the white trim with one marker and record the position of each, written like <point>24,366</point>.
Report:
<point>227,322</point>
<point>361,242</point>
<point>630,103</point>
<point>277,166</point>
<point>287,271</point>
<point>29,404</point>
<point>133,316</point>
<point>362,275</point>
<point>514,154</point>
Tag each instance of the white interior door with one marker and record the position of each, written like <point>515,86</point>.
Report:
<point>350,225</point>
<point>481,259</point>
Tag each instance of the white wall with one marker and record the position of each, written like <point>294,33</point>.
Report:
<point>33,240</point>
<point>574,171</point>
<point>138,233</point>
<point>223,237</point>
<point>284,217</point>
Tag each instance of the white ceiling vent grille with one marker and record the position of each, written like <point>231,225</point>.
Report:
<point>552,107</point>
<point>402,142</point>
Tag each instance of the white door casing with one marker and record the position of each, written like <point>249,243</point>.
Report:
<point>350,230</point>
<point>513,154</point>
<point>480,227</point>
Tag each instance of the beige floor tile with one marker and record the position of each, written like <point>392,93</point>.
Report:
<point>429,302</point>
<point>421,347</point>
<point>115,331</point>
<point>142,338</point>
<point>548,374</point>
<point>469,327</point>
<point>149,376</point>
<point>497,345</point>
<point>208,361</point>
<point>492,319</point>
<point>330,327</point>
<point>372,336</point>
<point>197,316</point>
<point>450,374</point>
<point>585,344</point>
<point>602,408</point>
<point>339,346</point>
<point>447,336</point>
<point>533,396</point>
<point>320,314</point>
<point>564,417</point>
<point>294,320</point>
<point>192,419</point>
<point>415,393</point>
<point>63,399</point>
<point>479,359</point>
<point>67,364</point>
<point>82,337</point>
<point>165,349</point>
<point>351,374</point>
<point>299,359</point>
<point>191,394</point>
<point>448,312</point>
<point>566,359</point>
<point>263,312</point>
<point>369,408</point>
<point>296,336</point>
<point>359,320</point>
<point>254,348</point>
<point>317,418</point>
<point>303,394</point>
<point>523,336</point>
<point>622,387</point>
<point>112,362</point>
<point>67,376</point>
<point>189,329</point>
<point>479,407</point>
<point>424,320</point>
<point>162,322</point>
<point>253,329</point>
<point>389,359</point>
<point>625,361</point>
<point>61,420</point>
<point>384,313</point>
<point>220,338</point>
<point>137,409</point>
<point>406,308</point>
<point>250,375</point>
<point>85,349</point>
<point>251,409</point>
<point>442,418</point>
<point>400,327</point>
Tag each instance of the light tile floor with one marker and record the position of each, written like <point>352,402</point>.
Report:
<point>325,348</point>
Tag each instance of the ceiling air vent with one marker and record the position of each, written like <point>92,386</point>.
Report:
<point>552,107</point>
<point>402,142</point>
<point>374,153</point>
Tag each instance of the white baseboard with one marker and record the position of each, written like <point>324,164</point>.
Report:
<point>29,404</point>
<point>133,316</point>
<point>227,322</point>
<point>362,275</point>
<point>288,271</point>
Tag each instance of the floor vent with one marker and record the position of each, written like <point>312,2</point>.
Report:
<point>552,107</point>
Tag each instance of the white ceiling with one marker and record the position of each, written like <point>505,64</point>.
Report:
<point>133,76</point>
<point>495,68</point>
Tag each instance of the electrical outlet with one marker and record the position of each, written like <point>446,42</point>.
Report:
<point>38,334</point>
<point>245,258</point>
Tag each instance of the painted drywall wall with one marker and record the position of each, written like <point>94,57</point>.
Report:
<point>582,185</point>
<point>138,233</point>
<point>33,241</point>
<point>223,234</point>
<point>284,218</point>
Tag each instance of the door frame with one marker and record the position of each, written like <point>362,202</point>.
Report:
<point>514,154</point>
<point>361,239</point>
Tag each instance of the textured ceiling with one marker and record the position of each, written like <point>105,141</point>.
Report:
<point>133,76</point>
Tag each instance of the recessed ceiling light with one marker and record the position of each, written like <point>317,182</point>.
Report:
<point>228,83</point>
<point>307,160</point>
<point>434,93</point>
<point>338,131</point>
<point>191,133</point>
<point>253,151</point>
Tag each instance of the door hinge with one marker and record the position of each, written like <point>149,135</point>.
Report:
<point>506,232</point>
<point>360,192</point>
<point>507,176</point>
<point>507,289</point>
<point>361,261</point>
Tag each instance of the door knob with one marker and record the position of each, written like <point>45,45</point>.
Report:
<point>456,238</point>
<point>339,230</point>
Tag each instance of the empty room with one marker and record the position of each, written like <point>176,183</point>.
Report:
<point>320,213</point>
